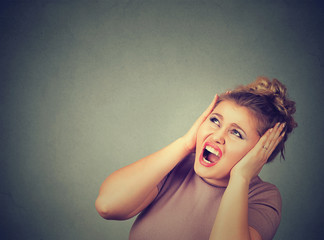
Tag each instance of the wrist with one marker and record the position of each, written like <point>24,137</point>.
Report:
<point>239,179</point>
<point>185,146</point>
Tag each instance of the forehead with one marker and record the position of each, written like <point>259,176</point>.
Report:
<point>233,113</point>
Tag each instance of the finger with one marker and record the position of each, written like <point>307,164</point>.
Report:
<point>262,145</point>
<point>274,141</point>
<point>210,107</point>
<point>278,140</point>
<point>206,113</point>
<point>274,132</point>
<point>265,138</point>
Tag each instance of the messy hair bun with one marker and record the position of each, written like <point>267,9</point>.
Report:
<point>269,101</point>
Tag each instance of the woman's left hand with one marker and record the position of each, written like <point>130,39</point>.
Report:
<point>251,164</point>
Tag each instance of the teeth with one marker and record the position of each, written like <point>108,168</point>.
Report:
<point>205,160</point>
<point>212,150</point>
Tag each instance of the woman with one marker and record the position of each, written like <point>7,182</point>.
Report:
<point>215,193</point>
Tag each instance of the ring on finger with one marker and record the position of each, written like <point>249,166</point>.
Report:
<point>265,147</point>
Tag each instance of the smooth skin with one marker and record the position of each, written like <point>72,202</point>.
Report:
<point>232,129</point>
<point>232,218</point>
<point>129,190</point>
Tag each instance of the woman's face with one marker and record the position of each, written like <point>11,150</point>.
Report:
<point>223,139</point>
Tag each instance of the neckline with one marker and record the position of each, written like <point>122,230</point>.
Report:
<point>210,184</point>
<point>253,181</point>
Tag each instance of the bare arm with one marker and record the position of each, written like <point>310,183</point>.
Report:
<point>232,218</point>
<point>127,191</point>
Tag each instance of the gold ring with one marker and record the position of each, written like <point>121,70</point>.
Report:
<point>265,147</point>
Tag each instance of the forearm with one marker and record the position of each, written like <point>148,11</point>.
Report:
<point>125,190</point>
<point>232,217</point>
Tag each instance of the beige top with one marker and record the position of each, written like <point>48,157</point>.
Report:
<point>186,207</point>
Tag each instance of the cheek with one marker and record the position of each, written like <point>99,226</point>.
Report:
<point>202,133</point>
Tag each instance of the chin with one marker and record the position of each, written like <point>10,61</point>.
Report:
<point>202,171</point>
<point>196,167</point>
<point>211,175</point>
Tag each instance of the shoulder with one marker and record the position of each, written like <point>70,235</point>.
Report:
<point>264,191</point>
<point>185,165</point>
<point>180,171</point>
<point>264,208</point>
<point>177,175</point>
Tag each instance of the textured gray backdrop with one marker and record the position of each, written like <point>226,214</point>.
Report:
<point>90,86</point>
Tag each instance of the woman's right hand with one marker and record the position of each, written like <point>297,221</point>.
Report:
<point>191,136</point>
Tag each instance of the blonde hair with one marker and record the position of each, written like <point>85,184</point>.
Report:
<point>269,102</point>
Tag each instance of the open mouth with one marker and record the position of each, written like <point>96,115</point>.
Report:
<point>210,156</point>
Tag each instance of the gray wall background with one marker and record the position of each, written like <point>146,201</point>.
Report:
<point>90,86</point>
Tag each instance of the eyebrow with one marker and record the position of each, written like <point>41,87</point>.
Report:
<point>233,124</point>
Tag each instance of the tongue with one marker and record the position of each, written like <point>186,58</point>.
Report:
<point>212,157</point>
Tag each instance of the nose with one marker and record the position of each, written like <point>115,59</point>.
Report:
<point>218,137</point>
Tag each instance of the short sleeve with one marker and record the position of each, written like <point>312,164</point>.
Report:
<point>161,183</point>
<point>181,169</point>
<point>265,210</point>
